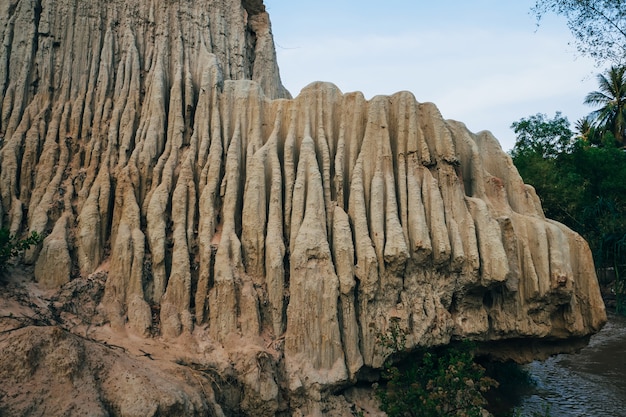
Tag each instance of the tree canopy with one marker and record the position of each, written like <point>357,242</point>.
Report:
<point>598,26</point>
<point>542,136</point>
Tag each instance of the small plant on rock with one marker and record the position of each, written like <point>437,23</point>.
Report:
<point>11,246</point>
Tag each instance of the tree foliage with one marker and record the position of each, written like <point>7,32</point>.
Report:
<point>587,132</point>
<point>538,135</point>
<point>598,26</point>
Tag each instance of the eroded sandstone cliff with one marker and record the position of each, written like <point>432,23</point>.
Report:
<point>154,141</point>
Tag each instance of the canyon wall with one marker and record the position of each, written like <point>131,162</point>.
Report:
<point>154,141</point>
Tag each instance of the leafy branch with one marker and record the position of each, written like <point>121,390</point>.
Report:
<point>11,246</point>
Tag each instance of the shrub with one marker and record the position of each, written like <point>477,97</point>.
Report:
<point>433,383</point>
<point>11,246</point>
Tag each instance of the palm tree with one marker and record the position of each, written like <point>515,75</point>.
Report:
<point>583,127</point>
<point>611,97</point>
<point>587,132</point>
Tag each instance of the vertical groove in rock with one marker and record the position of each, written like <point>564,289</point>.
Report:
<point>274,244</point>
<point>343,255</point>
<point>313,351</point>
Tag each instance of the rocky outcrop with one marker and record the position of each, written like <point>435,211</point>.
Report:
<point>41,365</point>
<point>156,138</point>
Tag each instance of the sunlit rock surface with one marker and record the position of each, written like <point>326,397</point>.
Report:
<point>154,140</point>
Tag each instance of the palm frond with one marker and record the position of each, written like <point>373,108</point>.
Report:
<point>597,98</point>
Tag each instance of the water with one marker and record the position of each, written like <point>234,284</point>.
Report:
<point>587,384</point>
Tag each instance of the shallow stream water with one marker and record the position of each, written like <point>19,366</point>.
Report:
<point>591,383</point>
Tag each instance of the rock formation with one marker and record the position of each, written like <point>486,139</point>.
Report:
<point>154,141</point>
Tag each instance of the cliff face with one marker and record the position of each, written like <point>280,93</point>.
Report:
<point>153,140</point>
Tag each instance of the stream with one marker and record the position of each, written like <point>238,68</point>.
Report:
<point>591,383</point>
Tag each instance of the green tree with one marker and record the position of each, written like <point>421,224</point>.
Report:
<point>598,26</point>
<point>586,132</point>
<point>611,97</point>
<point>584,129</point>
<point>542,136</point>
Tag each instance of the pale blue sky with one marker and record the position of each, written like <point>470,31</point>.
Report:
<point>482,62</point>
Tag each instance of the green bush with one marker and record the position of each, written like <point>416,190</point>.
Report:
<point>433,383</point>
<point>11,246</point>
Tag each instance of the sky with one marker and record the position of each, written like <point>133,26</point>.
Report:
<point>485,63</point>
